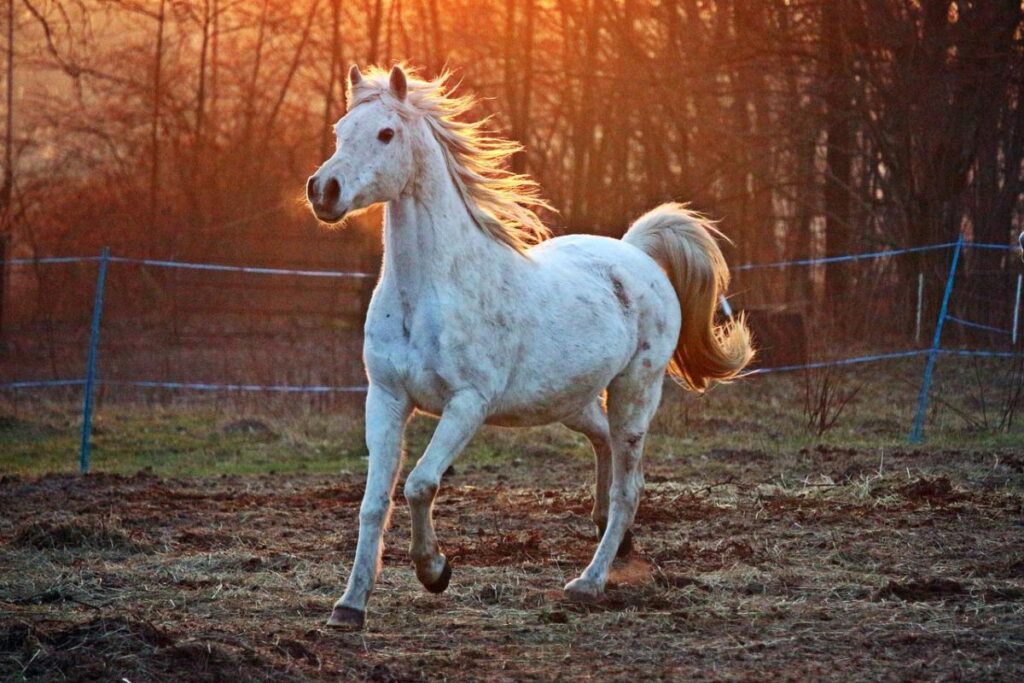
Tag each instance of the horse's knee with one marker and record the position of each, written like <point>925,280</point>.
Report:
<point>420,489</point>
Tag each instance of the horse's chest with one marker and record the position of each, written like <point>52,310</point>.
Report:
<point>428,353</point>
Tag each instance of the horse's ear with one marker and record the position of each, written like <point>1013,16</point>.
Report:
<point>355,77</point>
<point>399,83</point>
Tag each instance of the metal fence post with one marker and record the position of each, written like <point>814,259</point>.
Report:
<point>1016,311</point>
<point>4,244</point>
<point>917,431</point>
<point>920,308</point>
<point>90,369</point>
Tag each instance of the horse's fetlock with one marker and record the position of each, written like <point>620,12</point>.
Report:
<point>421,557</point>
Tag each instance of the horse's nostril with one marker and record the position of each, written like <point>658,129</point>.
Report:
<point>311,189</point>
<point>332,190</point>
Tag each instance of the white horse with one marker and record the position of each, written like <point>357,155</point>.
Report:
<point>472,323</point>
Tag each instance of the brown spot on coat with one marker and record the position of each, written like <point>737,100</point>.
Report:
<point>620,293</point>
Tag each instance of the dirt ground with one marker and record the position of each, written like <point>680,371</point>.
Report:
<point>823,564</point>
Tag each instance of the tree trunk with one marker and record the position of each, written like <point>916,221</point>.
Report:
<point>838,152</point>
<point>7,190</point>
<point>437,32</point>
<point>376,19</point>
<point>583,124</point>
<point>154,166</point>
<point>330,113</point>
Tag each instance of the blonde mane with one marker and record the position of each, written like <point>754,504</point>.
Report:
<point>501,202</point>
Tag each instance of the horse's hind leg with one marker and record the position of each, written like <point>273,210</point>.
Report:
<point>632,400</point>
<point>593,424</point>
<point>460,420</point>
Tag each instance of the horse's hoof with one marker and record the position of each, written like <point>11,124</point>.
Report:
<point>583,590</point>
<point>347,618</point>
<point>441,583</point>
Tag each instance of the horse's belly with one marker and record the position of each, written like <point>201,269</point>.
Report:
<point>536,398</point>
<point>542,412</point>
<point>517,407</point>
<point>530,398</point>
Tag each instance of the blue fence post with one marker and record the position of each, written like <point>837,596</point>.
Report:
<point>90,369</point>
<point>917,431</point>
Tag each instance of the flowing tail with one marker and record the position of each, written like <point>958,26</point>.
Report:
<point>683,243</point>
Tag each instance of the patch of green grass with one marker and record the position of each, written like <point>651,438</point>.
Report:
<point>762,414</point>
<point>205,442</point>
<point>182,442</point>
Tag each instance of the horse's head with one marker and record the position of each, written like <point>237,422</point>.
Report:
<point>373,160</point>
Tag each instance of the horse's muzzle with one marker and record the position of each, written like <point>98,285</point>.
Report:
<point>323,198</point>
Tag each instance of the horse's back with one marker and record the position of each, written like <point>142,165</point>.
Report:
<point>640,287</point>
<point>626,283</point>
<point>588,249</point>
<point>594,304</point>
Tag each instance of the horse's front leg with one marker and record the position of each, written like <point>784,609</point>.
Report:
<point>460,420</point>
<point>386,415</point>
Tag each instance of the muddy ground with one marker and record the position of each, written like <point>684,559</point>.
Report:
<point>844,565</point>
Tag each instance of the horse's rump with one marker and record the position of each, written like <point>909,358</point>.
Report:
<point>683,243</point>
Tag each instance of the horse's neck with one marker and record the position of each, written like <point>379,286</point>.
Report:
<point>431,243</point>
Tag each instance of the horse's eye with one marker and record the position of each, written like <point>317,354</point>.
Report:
<point>385,135</point>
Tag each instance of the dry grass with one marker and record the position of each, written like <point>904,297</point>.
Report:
<point>822,564</point>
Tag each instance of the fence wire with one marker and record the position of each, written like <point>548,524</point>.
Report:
<point>213,327</point>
